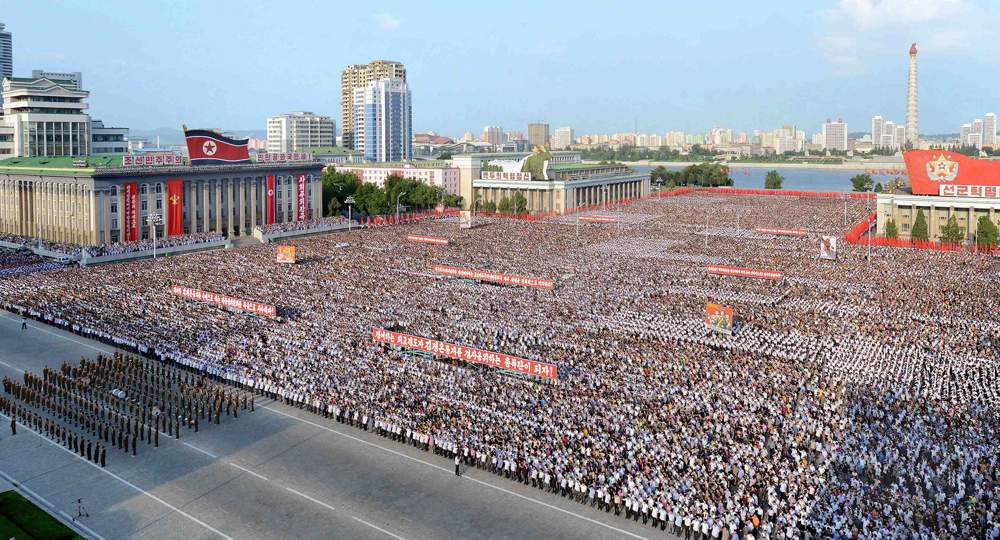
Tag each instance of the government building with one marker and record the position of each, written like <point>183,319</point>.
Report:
<point>552,182</point>
<point>942,184</point>
<point>103,199</point>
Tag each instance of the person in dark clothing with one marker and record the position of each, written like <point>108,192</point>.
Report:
<point>104,456</point>
<point>13,425</point>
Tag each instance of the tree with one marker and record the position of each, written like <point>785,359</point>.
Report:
<point>891,231</point>
<point>453,201</point>
<point>504,206</point>
<point>519,204</point>
<point>862,182</point>
<point>332,206</point>
<point>773,180</point>
<point>951,233</point>
<point>337,184</point>
<point>986,233</point>
<point>489,206</point>
<point>371,199</point>
<point>919,226</point>
<point>878,187</point>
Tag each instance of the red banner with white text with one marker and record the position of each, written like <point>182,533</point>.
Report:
<point>175,207</point>
<point>269,200</point>
<point>494,277</point>
<point>423,239</point>
<point>743,272</point>
<point>222,300</point>
<point>598,219</point>
<point>303,207</point>
<point>780,232</point>
<point>467,354</point>
<point>130,212</point>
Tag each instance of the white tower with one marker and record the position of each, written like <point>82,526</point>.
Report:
<point>912,134</point>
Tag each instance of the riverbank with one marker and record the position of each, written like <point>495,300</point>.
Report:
<point>849,166</point>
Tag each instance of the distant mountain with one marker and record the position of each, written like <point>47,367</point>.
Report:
<point>170,136</point>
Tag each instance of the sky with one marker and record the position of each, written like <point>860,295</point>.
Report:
<point>600,67</point>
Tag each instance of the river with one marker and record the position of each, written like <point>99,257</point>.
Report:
<point>795,178</point>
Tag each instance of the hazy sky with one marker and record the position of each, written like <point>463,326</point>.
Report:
<point>596,66</point>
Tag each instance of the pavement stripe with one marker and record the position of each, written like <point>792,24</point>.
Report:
<point>206,452</point>
<point>127,483</point>
<point>446,470</point>
<point>37,326</point>
<point>248,471</point>
<point>15,368</point>
<point>317,501</point>
<point>377,528</point>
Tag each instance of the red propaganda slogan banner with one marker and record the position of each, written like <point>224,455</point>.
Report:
<point>175,207</point>
<point>932,170</point>
<point>467,354</point>
<point>494,277</point>
<point>598,219</point>
<point>221,300</point>
<point>781,232</point>
<point>422,239</point>
<point>269,201</point>
<point>743,272</point>
<point>130,221</point>
<point>303,207</point>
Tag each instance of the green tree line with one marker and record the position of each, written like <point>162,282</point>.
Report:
<point>375,200</point>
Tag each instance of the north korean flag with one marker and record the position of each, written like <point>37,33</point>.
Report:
<point>208,147</point>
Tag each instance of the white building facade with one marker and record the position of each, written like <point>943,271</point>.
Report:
<point>447,178</point>
<point>296,131</point>
<point>382,121</point>
<point>43,117</point>
<point>835,135</point>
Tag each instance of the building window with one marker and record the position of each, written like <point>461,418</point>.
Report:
<point>142,189</point>
<point>114,208</point>
<point>114,191</point>
<point>159,204</point>
<point>114,223</point>
<point>144,205</point>
<point>159,188</point>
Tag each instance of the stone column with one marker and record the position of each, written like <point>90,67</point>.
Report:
<point>242,197</point>
<point>229,207</point>
<point>164,208</point>
<point>205,203</point>
<point>253,204</point>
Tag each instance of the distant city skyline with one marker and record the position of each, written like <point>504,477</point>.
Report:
<point>853,65</point>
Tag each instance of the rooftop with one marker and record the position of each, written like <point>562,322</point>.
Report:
<point>331,150</point>
<point>439,164</point>
<point>60,165</point>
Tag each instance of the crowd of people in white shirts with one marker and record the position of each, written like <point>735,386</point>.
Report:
<point>121,248</point>
<point>856,398</point>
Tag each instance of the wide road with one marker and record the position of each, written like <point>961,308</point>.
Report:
<point>278,472</point>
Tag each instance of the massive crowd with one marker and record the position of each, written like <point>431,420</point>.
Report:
<point>121,248</point>
<point>857,398</point>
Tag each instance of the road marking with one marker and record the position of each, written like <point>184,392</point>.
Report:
<point>15,368</point>
<point>377,528</point>
<point>60,336</point>
<point>127,483</point>
<point>36,496</point>
<point>487,484</point>
<point>317,501</point>
<point>206,452</point>
<point>248,471</point>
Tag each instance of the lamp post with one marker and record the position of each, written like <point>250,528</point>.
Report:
<point>397,205</point>
<point>350,201</point>
<point>153,220</point>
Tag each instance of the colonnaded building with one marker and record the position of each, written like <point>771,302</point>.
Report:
<point>942,184</point>
<point>552,182</point>
<point>103,199</point>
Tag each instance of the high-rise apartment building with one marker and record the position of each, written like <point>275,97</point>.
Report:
<point>492,135</point>
<point>296,131</point>
<point>562,138</point>
<point>382,121</point>
<point>538,134</point>
<point>357,76</point>
<point>877,125</point>
<point>6,58</point>
<point>990,130</point>
<point>835,135</point>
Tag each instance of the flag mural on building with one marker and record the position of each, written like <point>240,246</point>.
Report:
<point>303,207</point>
<point>208,147</point>
<point>270,199</point>
<point>130,218</point>
<point>175,207</point>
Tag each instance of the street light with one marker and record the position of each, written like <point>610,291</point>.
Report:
<point>153,220</point>
<point>349,200</point>
<point>397,206</point>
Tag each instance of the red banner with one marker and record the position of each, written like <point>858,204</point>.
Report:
<point>222,300</point>
<point>303,207</point>
<point>743,272</point>
<point>422,239</point>
<point>781,232</point>
<point>494,277</point>
<point>598,219</point>
<point>175,207</point>
<point>467,354</point>
<point>269,201</point>
<point>932,170</point>
<point>130,212</point>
